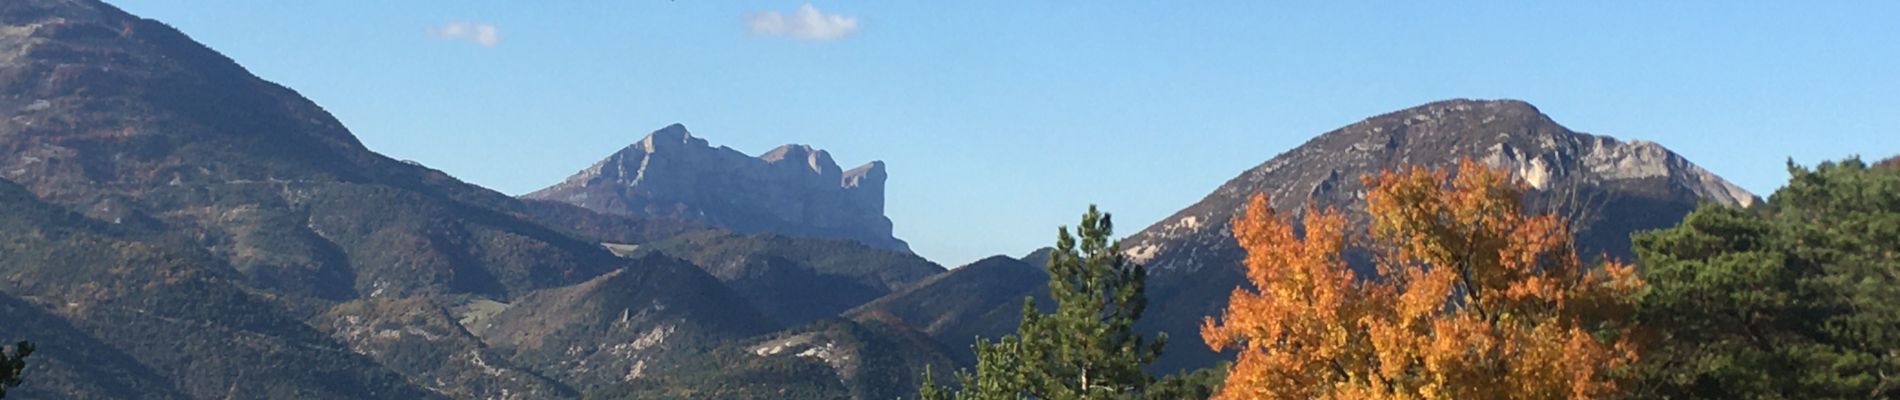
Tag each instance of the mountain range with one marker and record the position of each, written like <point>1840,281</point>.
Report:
<point>231,236</point>
<point>174,227</point>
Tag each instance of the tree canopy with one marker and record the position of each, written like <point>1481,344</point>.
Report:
<point>11,365</point>
<point>1799,299</point>
<point>1470,298</point>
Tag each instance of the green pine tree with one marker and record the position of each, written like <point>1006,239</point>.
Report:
<point>1087,347</point>
<point>1195,384</point>
<point>1799,299</point>
<point>11,365</point>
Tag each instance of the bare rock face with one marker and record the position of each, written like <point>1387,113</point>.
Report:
<point>1607,187</point>
<point>793,189</point>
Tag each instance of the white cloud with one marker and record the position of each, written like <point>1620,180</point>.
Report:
<point>481,33</point>
<point>805,23</point>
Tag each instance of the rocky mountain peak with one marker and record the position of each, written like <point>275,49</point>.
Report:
<point>1464,111</point>
<point>793,189</point>
<point>671,137</point>
<point>818,161</point>
<point>869,171</point>
<point>870,174</point>
<point>1510,134</point>
<point>90,60</point>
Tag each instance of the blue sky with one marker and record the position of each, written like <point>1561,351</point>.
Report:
<point>1002,119</point>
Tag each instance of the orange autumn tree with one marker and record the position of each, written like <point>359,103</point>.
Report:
<point>1473,298</point>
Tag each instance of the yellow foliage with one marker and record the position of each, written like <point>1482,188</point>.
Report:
<point>1472,298</point>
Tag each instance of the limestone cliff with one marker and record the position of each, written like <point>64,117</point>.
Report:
<point>793,189</point>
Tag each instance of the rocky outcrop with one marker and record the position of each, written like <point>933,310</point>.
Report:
<point>793,189</point>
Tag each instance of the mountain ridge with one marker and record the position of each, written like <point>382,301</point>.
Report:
<point>797,279</point>
<point>127,119</point>
<point>793,189</point>
<point>980,299</point>
<point>1382,141</point>
<point>238,238</point>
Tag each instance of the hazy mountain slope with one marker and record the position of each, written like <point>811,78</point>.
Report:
<point>131,121</point>
<point>160,317</point>
<point>794,279</point>
<point>71,364</point>
<point>1610,187</point>
<point>793,189</point>
<point>984,298</point>
<point>621,326</point>
<point>600,227</point>
<point>419,338</point>
<point>827,359</point>
<point>1038,258</point>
